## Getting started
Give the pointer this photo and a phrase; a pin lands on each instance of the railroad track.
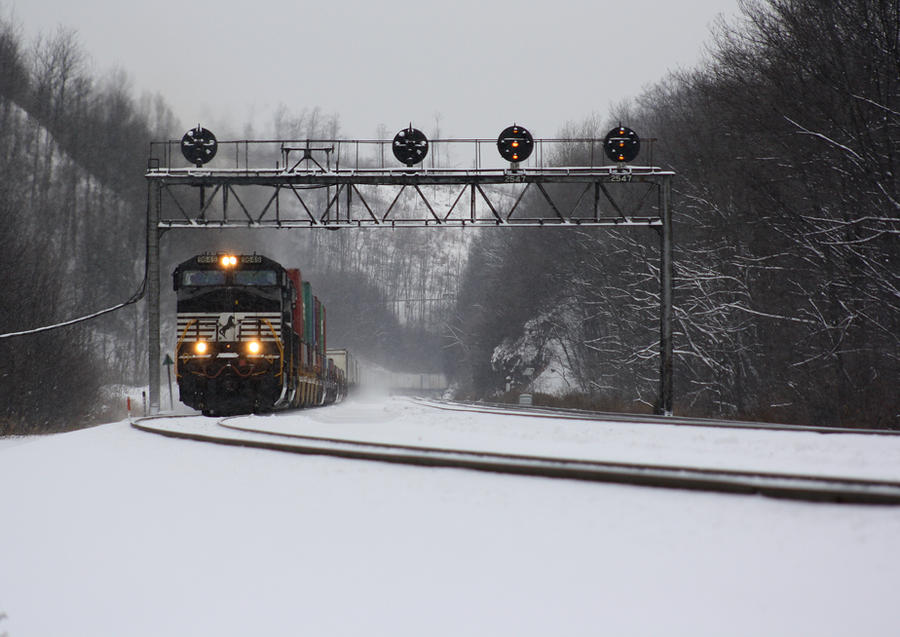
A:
(578, 414)
(231, 431)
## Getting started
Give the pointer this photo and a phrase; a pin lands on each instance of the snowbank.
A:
(112, 531)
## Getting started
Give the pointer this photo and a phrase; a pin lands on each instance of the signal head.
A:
(621, 144)
(515, 143)
(199, 146)
(410, 146)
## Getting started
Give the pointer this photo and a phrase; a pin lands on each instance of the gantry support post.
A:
(666, 385)
(153, 328)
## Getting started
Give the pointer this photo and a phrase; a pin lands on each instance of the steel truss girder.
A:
(361, 210)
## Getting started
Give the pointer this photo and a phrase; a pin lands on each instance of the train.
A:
(251, 338)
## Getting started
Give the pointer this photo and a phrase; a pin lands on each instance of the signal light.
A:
(410, 146)
(621, 144)
(199, 146)
(515, 143)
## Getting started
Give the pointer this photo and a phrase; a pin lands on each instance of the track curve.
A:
(772, 484)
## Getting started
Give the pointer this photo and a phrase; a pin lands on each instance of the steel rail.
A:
(776, 485)
(580, 414)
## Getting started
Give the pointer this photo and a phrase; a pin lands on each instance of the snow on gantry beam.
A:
(415, 223)
(404, 176)
(560, 197)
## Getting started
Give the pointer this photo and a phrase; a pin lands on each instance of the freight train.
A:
(251, 337)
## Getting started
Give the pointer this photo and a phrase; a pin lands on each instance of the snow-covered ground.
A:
(113, 531)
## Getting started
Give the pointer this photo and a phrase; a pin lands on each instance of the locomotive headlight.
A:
(201, 347)
(254, 347)
(228, 260)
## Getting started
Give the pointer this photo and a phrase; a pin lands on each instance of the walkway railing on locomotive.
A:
(270, 334)
(249, 328)
(178, 352)
(204, 327)
(261, 327)
(207, 324)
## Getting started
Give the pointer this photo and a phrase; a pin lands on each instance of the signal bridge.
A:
(201, 183)
(239, 194)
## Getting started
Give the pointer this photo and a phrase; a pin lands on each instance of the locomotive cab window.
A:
(203, 277)
(255, 277)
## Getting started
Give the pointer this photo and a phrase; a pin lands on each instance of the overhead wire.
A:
(134, 298)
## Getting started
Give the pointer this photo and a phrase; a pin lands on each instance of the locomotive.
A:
(251, 337)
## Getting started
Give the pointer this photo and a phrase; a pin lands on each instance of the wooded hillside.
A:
(72, 201)
(787, 216)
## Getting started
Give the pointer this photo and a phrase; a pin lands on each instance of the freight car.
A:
(251, 337)
(347, 364)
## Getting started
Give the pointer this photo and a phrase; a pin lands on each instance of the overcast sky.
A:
(477, 64)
